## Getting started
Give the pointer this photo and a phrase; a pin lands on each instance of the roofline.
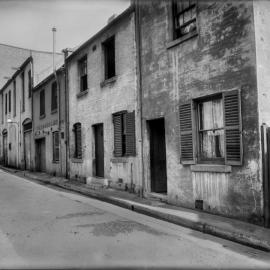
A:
(122, 15)
(30, 50)
(28, 60)
(48, 78)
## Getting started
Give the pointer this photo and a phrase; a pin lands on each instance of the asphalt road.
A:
(45, 227)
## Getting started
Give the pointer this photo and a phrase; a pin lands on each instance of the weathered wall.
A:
(44, 127)
(220, 58)
(100, 102)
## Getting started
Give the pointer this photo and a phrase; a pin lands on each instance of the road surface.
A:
(44, 227)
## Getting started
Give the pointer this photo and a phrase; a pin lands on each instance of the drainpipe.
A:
(139, 84)
(65, 51)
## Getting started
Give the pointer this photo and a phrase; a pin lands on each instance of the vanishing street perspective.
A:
(147, 145)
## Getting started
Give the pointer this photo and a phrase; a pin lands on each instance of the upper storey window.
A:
(109, 58)
(83, 73)
(184, 17)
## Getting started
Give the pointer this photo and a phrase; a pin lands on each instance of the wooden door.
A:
(5, 150)
(40, 155)
(27, 149)
(158, 168)
(99, 150)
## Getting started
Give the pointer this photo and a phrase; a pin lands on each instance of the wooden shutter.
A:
(233, 127)
(186, 134)
(79, 140)
(117, 123)
(130, 134)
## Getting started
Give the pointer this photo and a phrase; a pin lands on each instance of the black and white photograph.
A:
(135, 134)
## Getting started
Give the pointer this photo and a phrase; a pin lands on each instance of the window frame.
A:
(14, 98)
(42, 104)
(176, 14)
(200, 158)
(29, 83)
(107, 58)
(56, 148)
(23, 92)
(54, 97)
(9, 101)
(82, 64)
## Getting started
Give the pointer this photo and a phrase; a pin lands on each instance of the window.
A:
(14, 98)
(42, 103)
(54, 97)
(124, 134)
(29, 84)
(210, 130)
(109, 58)
(23, 93)
(184, 17)
(6, 103)
(56, 146)
(83, 73)
(9, 101)
(78, 140)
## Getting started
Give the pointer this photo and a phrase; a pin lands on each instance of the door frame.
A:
(94, 155)
(151, 191)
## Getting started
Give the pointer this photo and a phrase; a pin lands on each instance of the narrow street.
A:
(45, 227)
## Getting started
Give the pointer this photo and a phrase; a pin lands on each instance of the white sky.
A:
(28, 23)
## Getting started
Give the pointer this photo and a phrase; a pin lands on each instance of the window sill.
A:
(211, 168)
(119, 160)
(82, 93)
(77, 160)
(108, 81)
(42, 116)
(54, 111)
(55, 161)
(181, 39)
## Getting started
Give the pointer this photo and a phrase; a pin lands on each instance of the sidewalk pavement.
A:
(226, 228)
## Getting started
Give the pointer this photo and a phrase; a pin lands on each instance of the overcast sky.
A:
(28, 23)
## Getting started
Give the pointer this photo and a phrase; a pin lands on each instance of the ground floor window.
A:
(124, 134)
(77, 130)
(56, 146)
(211, 129)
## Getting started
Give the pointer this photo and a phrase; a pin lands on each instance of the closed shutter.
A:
(233, 127)
(130, 134)
(186, 134)
(56, 146)
(79, 140)
(117, 123)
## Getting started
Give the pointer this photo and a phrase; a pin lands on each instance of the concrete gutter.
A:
(229, 229)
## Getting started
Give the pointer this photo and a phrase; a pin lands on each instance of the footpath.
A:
(226, 228)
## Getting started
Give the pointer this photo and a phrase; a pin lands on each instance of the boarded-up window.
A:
(42, 103)
(54, 97)
(109, 58)
(83, 73)
(23, 92)
(9, 101)
(77, 140)
(56, 146)
(184, 17)
(14, 98)
(29, 84)
(219, 137)
(124, 134)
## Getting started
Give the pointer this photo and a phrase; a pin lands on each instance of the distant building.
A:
(104, 125)
(49, 124)
(16, 141)
(205, 83)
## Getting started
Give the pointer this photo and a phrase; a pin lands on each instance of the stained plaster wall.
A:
(100, 102)
(220, 58)
(44, 127)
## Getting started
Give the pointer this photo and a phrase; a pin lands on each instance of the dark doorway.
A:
(158, 156)
(5, 149)
(99, 150)
(40, 155)
(27, 149)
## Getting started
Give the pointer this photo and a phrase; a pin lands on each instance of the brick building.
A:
(49, 124)
(104, 126)
(204, 100)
